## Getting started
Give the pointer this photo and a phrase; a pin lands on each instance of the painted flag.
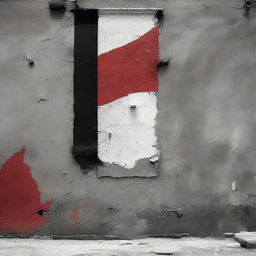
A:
(115, 85)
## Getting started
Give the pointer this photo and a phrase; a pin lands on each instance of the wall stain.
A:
(164, 213)
(21, 210)
(159, 17)
(57, 5)
(247, 8)
(113, 209)
(74, 214)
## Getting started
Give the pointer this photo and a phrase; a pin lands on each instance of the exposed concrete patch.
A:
(143, 169)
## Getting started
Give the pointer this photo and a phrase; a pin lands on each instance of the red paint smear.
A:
(19, 198)
(74, 214)
(129, 69)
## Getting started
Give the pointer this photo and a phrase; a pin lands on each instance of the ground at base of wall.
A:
(149, 246)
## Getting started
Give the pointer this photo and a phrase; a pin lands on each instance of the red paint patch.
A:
(74, 214)
(20, 198)
(129, 69)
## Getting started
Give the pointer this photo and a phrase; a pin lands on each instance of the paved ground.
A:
(149, 246)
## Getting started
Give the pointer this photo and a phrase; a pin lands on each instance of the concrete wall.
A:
(205, 126)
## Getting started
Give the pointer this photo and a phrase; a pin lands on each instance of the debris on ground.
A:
(246, 239)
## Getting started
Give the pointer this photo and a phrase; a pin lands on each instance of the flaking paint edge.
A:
(126, 135)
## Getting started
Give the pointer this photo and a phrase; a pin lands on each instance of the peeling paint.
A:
(132, 136)
(20, 208)
(127, 81)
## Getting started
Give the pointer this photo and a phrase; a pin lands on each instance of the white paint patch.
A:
(234, 186)
(126, 129)
(116, 30)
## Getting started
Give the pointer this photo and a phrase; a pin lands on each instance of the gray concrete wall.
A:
(205, 125)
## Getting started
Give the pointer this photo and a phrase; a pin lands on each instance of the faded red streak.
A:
(74, 214)
(129, 69)
(19, 198)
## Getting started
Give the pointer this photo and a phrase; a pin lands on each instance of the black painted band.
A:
(85, 132)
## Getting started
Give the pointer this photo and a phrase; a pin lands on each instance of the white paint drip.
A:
(127, 134)
(116, 30)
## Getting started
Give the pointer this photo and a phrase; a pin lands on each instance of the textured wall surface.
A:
(205, 125)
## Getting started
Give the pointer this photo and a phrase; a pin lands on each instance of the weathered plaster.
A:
(205, 125)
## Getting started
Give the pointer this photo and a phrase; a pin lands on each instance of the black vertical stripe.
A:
(85, 132)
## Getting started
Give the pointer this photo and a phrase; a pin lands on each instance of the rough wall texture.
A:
(205, 124)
